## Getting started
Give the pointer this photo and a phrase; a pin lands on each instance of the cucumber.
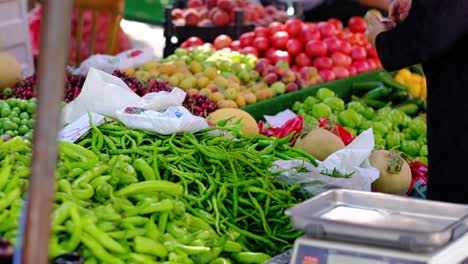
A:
(373, 103)
(417, 101)
(378, 93)
(366, 86)
(388, 81)
(408, 108)
(398, 96)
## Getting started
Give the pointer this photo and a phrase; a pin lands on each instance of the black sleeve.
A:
(432, 27)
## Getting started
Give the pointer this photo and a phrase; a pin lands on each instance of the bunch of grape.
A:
(199, 105)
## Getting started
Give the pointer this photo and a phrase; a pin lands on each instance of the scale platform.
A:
(350, 227)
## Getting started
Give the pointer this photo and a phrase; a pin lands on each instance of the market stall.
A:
(283, 143)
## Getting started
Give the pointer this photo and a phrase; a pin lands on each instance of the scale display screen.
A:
(314, 255)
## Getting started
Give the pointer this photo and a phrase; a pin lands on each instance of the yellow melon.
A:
(10, 70)
(249, 125)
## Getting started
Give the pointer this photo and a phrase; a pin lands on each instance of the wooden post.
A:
(54, 49)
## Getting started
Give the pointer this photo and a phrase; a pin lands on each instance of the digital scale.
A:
(350, 227)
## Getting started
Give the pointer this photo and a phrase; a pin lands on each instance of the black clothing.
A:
(436, 35)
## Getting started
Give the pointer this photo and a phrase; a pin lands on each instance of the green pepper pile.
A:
(17, 117)
(392, 127)
(137, 197)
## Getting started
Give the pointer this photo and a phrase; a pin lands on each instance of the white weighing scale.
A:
(349, 227)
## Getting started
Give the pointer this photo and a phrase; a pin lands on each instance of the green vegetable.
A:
(392, 140)
(377, 93)
(410, 147)
(388, 81)
(366, 86)
(324, 93)
(321, 110)
(408, 108)
(335, 103)
(350, 118)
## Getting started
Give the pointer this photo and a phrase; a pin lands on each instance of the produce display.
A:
(17, 117)
(133, 196)
(222, 13)
(393, 128)
(417, 83)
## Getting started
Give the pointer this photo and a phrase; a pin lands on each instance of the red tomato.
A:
(377, 63)
(341, 59)
(261, 32)
(327, 29)
(361, 66)
(293, 27)
(235, 45)
(358, 53)
(275, 27)
(222, 41)
(280, 39)
(303, 60)
(247, 39)
(327, 75)
(352, 70)
(316, 48)
(371, 51)
(294, 46)
(250, 50)
(280, 55)
(333, 44)
(340, 72)
(309, 32)
(269, 54)
(357, 24)
(336, 22)
(323, 62)
(372, 64)
(194, 41)
(261, 43)
(346, 47)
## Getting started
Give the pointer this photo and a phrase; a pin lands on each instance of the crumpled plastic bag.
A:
(133, 58)
(353, 159)
(163, 100)
(174, 120)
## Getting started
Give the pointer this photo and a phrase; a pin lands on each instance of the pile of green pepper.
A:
(138, 197)
(16, 117)
(392, 127)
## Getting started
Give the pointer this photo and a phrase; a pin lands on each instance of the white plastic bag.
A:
(162, 100)
(353, 159)
(128, 59)
(175, 119)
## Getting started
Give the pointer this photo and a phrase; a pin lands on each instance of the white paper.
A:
(280, 119)
(78, 128)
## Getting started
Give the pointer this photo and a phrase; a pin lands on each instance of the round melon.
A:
(395, 173)
(249, 125)
(320, 143)
(10, 70)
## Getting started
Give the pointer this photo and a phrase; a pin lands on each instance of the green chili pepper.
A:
(145, 169)
(98, 250)
(251, 257)
(152, 186)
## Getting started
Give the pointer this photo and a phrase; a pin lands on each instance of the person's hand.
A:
(376, 25)
(399, 10)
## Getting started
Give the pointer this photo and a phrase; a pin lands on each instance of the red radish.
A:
(226, 5)
(261, 43)
(293, 27)
(220, 18)
(294, 46)
(280, 39)
(341, 59)
(346, 47)
(235, 45)
(247, 39)
(327, 75)
(309, 33)
(336, 22)
(303, 60)
(357, 24)
(261, 32)
(316, 48)
(361, 66)
(340, 72)
(275, 27)
(358, 53)
(191, 17)
(333, 44)
(222, 41)
(327, 29)
(195, 3)
(323, 63)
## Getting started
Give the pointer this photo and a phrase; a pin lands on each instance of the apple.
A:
(336, 22)
(327, 29)
(191, 17)
(357, 25)
(220, 18)
(195, 3)
(316, 48)
(269, 54)
(226, 5)
(235, 45)
(275, 27)
(270, 78)
(222, 41)
(358, 53)
(293, 27)
(294, 46)
(278, 87)
(247, 39)
(340, 72)
(261, 32)
(341, 59)
(308, 33)
(279, 55)
(261, 43)
(292, 87)
(333, 44)
(327, 75)
(271, 10)
(205, 23)
(280, 39)
(346, 47)
(302, 60)
(194, 41)
(211, 3)
(250, 50)
(323, 62)
(177, 14)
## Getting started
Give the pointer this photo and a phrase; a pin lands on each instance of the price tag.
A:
(81, 126)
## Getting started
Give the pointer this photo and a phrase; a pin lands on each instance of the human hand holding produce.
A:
(399, 10)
